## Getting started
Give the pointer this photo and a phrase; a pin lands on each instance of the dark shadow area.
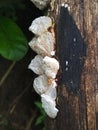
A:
(17, 108)
(71, 51)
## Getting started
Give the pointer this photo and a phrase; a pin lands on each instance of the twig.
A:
(30, 121)
(14, 103)
(7, 73)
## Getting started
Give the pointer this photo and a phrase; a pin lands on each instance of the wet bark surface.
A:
(78, 111)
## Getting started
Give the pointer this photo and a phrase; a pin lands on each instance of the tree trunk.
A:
(77, 103)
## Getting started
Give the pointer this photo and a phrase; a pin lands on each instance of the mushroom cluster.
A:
(44, 64)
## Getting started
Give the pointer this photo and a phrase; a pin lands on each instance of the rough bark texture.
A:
(79, 111)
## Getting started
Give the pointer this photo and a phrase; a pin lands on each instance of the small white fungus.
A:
(36, 65)
(74, 39)
(66, 68)
(41, 4)
(40, 25)
(51, 91)
(66, 6)
(44, 44)
(40, 84)
(52, 53)
(66, 63)
(50, 66)
(49, 106)
(43, 64)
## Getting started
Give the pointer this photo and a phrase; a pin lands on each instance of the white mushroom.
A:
(41, 4)
(43, 65)
(44, 44)
(49, 106)
(40, 84)
(50, 66)
(51, 91)
(36, 65)
(40, 25)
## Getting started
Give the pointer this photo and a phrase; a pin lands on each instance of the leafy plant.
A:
(42, 117)
(13, 43)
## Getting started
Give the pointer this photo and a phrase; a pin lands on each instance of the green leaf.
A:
(39, 120)
(39, 106)
(13, 43)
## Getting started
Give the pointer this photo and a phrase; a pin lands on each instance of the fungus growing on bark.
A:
(43, 64)
(43, 45)
(49, 105)
(50, 66)
(36, 65)
(40, 25)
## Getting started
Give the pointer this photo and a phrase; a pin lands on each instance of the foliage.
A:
(13, 44)
(42, 117)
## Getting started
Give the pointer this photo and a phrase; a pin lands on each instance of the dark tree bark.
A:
(78, 109)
